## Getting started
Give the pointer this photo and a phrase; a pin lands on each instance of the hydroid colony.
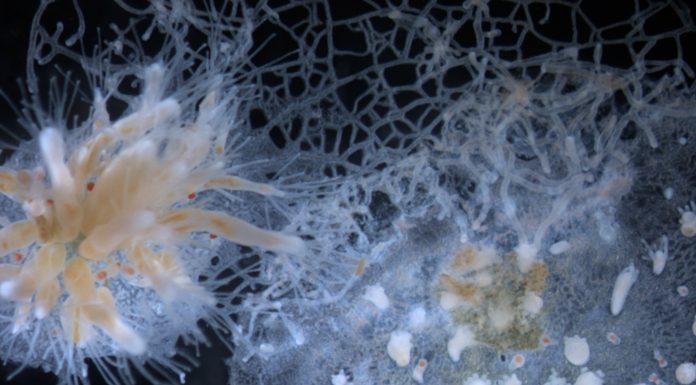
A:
(456, 193)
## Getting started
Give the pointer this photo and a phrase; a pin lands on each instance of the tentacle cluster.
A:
(127, 190)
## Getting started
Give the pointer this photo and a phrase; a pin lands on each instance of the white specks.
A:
(613, 338)
(41, 310)
(340, 379)
(532, 303)
(693, 326)
(376, 295)
(576, 350)
(449, 301)
(658, 254)
(685, 373)
(683, 291)
(417, 318)
(555, 379)
(9, 288)
(501, 316)
(463, 338)
(668, 193)
(399, 347)
(182, 377)
(606, 227)
(559, 247)
(590, 378)
(624, 281)
(526, 256)
(688, 219)
(483, 279)
(419, 370)
(477, 380)
(682, 140)
(510, 380)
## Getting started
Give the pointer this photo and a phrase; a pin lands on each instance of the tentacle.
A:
(36, 273)
(67, 209)
(8, 182)
(103, 314)
(183, 221)
(239, 184)
(17, 235)
(163, 272)
(105, 239)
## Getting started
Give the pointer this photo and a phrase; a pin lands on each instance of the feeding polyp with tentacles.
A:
(117, 200)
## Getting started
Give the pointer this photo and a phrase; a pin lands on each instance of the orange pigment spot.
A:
(49, 201)
(18, 257)
(128, 270)
(213, 236)
(192, 196)
(546, 341)
(518, 360)
(613, 338)
(90, 186)
(101, 275)
(360, 269)
(422, 363)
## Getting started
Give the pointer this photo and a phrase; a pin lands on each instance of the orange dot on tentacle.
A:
(128, 270)
(90, 186)
(101, 275)
(192, 196)
(49, 201)
(213, 236)
(18, 257)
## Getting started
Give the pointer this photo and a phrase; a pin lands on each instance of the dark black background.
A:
(15, 23)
